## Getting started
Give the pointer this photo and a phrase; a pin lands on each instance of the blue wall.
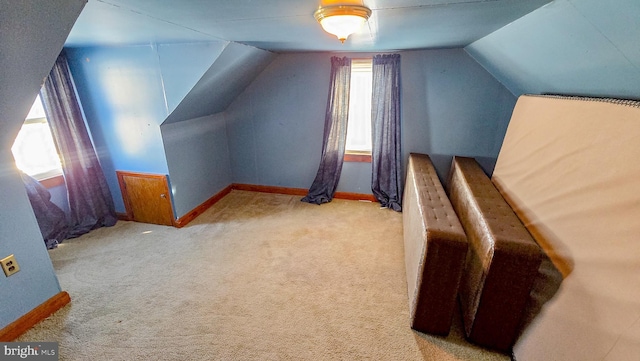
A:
(272, 132)
(198, 159)
(127, 92)
(585, 47)
(275, 126)
(31, 36)
(121, 94)
(451, 106)
(59, 197)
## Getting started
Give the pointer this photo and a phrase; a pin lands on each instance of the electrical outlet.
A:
(9, 265)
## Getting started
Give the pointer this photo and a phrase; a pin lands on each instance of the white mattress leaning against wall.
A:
(570, 168)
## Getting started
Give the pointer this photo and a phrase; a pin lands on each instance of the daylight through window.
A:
(359, 125)
(34, 150)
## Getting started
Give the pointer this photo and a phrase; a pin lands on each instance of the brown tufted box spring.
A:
(435, 247)
(502, 261)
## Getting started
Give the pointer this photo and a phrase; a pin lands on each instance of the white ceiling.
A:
(289, 25)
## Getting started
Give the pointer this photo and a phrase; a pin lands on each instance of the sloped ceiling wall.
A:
(31, 36)
(579, 47)
(228, 76)
(182, 65)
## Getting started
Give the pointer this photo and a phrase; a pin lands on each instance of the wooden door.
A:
(146, 197)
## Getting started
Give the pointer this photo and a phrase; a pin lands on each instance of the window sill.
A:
(52, 182)
(357, 157)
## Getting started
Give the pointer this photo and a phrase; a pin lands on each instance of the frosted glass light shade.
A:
(342, 20)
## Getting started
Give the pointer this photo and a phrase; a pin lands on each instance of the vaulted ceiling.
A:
(585, 47)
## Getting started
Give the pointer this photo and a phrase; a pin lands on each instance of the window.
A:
(359, 127)
(34, 150)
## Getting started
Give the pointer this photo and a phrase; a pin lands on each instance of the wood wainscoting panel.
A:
(146, 197)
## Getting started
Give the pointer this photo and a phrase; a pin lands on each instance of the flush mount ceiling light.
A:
(342, 20)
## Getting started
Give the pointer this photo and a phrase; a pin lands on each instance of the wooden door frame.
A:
(125, 196)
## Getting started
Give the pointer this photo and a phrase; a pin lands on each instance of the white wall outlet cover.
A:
(9, 265)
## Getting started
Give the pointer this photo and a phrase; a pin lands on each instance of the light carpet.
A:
(256, 277)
